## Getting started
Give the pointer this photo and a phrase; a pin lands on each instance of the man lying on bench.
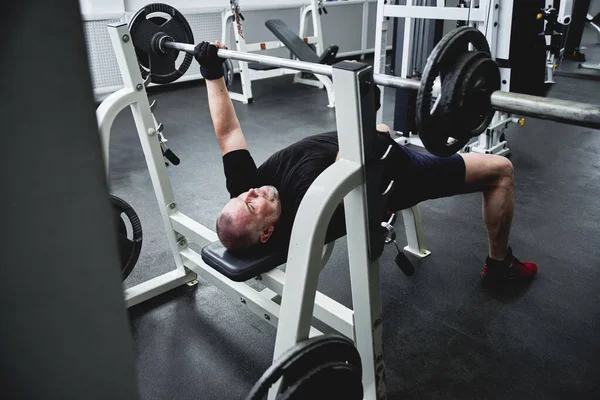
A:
(265, 199)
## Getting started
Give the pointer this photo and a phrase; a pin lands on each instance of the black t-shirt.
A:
(291, 170)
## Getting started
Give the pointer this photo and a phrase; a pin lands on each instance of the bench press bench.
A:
(240, 268)
(303, 52)
(298, 47)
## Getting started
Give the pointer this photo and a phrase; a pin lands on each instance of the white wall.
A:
(183, 4)
(134, 5)
(92, 7)
(99, 7)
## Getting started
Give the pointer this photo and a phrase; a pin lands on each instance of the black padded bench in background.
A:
(298, 47)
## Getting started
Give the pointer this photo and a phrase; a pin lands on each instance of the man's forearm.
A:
(221, 109)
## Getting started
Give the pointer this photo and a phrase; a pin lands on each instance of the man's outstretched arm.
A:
(227, 127)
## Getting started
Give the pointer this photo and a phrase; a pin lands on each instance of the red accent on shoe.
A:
(517, 270)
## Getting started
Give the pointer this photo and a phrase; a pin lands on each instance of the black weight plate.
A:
(303, 358)
(404, 264)
(439, 63)
(228, 72)
(146, 27)
(333, 380)
(449, 108)
(481, 79)
(129, 245)
(310, 358)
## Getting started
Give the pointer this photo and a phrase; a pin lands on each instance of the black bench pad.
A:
(292, 41)
(241, 268)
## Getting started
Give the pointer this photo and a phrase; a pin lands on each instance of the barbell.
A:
(469, 79)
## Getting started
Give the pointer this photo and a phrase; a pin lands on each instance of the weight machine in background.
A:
(517, 42)
(583, 13)
(233, 21)
(556, 22)
(594, 22)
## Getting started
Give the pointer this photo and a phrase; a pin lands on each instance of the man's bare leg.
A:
(494, 176)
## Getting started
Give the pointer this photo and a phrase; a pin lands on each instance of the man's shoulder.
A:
(240, 171)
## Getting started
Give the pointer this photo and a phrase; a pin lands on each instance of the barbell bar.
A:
(448, 114)
(570, 112)
(303, 66)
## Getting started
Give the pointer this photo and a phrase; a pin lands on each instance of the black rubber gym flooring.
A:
(445, 336)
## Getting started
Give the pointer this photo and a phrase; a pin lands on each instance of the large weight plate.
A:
(480, 80)
(438, 135)
(129, 234)
(451, 104)
(146, 27)
(331, 380)
(309, 362)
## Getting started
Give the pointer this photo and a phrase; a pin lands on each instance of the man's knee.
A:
(503, 167)
(505, 170)
(381, 127)
(484, 170)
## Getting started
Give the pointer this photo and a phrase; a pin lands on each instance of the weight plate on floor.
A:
(332, 380)
(296, 366)
(147, 27)
(129, 234)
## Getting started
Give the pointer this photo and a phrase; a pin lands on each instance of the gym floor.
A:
(445, 335)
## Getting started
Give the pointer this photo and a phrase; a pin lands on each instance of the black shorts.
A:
(421, 176)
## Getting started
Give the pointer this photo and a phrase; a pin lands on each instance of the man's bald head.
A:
(249, 219)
